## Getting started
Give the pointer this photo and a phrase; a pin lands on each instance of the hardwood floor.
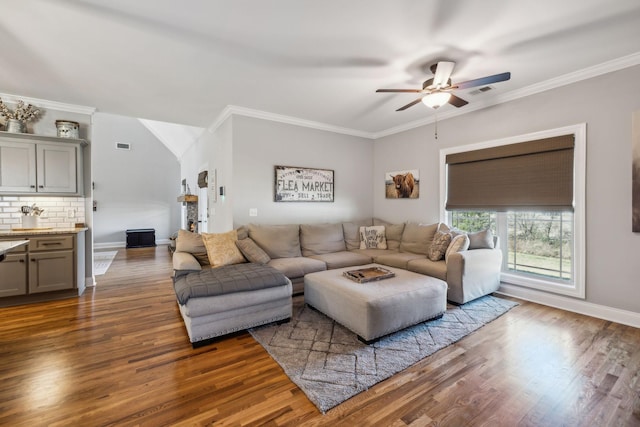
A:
(119, 355)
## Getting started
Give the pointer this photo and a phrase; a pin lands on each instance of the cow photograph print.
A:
(402, 184)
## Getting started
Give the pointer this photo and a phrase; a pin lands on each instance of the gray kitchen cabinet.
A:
(35, 164)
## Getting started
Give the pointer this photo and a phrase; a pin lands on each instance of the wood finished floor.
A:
(119, 355)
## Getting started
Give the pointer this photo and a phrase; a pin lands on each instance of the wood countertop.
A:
(40, 231)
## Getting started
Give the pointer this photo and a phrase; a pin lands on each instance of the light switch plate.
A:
(253, 212)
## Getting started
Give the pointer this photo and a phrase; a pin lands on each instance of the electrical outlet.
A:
(253, 212)
(71, 213)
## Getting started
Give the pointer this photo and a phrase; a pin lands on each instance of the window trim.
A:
(576, 288)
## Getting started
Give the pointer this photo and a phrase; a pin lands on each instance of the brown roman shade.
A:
(533, 176)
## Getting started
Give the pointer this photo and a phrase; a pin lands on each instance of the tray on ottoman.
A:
(364, 275)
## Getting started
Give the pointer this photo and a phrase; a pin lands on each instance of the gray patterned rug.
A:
(330, 365)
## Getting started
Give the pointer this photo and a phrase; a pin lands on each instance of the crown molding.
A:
(566, 79)
(49, 105)
(231, 110)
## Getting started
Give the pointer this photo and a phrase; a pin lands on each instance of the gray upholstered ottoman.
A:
(375, 309)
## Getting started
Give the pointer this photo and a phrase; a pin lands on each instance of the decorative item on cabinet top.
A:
(68, 129)
(18, 118)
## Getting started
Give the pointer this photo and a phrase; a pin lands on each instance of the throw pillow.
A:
(481, 240)
(439, 246)
(222, 249)
(193, 244)
(373, 237)
(458, 243)
(252, 252)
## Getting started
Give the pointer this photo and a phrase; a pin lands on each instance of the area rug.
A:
(102, 262)
(330, 365)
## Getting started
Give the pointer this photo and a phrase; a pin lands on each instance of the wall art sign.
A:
(635, 184)
(402, 184)
(295, 184)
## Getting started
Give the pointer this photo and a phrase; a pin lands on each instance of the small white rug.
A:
(102, 262)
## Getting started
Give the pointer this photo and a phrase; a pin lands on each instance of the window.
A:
(542, 248)
(535, 244)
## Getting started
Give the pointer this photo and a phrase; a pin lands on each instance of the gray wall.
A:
(259, 145)
(606, 104)
(133, 189)
(244, 151)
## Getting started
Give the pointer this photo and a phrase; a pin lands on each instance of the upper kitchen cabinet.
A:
(34, 164)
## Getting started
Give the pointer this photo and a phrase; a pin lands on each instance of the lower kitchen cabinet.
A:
(48, 266)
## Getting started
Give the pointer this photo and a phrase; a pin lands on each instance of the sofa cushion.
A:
(343, 259)
(222, 249)
(252, 252)
(393, 233)
(193, 244)
(481, 240)
(297, 267)
(397, 259)
(416, 238)
(373, 237)
(374, 253)
(437, 269)
(278, 241)
(351, 231)
(439, 245)
(458, 244)
(318, 239)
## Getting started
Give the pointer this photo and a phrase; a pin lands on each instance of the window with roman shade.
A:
(534, 175)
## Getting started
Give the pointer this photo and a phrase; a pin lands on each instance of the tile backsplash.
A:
(58, 211)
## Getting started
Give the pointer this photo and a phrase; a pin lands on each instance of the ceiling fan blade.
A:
(483, 81)
(457, 101)
(443, 72)
(411, 104)
(400, 90)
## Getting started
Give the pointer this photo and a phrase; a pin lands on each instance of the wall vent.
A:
(123, 146)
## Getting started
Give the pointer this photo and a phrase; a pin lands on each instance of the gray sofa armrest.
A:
(473, 273)
(184, 263)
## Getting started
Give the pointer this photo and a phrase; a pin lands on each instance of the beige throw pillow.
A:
(222, 249)
(439, 246)
(458, 244)
(373, 237)
(252, 252)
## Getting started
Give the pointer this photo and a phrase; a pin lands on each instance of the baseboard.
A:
(624, 317)
(120, 245)
(109, 245)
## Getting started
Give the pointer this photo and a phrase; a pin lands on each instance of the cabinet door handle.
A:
(41, 186)
(51, 243)
(32, 186)
(21, 260)
(33, 260)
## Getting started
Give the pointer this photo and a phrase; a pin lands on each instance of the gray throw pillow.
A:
(481, 240)
(252, 252)
(193, 244)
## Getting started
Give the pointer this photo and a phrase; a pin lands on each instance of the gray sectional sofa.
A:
(217, 301)
(299, 249)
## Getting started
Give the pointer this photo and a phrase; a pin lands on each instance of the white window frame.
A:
(575, 288)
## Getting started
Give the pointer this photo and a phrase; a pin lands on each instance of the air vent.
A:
(123, 146)
(481, 90)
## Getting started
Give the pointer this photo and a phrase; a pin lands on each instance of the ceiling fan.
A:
(437, 90)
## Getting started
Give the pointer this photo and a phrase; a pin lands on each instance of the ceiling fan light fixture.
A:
(436, 99)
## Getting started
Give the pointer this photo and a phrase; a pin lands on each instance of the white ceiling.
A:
(317, 60)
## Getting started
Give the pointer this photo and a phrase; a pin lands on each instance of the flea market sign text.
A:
(303, 184)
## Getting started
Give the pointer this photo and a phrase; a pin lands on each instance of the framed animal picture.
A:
(402, 184)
